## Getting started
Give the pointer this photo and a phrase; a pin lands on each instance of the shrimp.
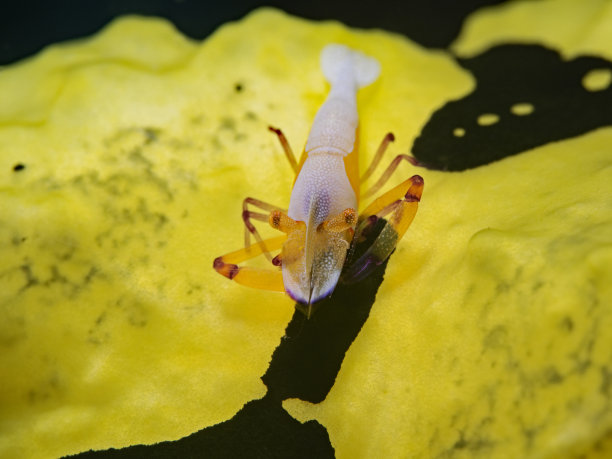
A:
(322, 221)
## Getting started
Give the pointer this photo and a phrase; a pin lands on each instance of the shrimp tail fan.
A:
(339, 62)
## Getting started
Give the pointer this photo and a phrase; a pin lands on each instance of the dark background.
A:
(27, 26)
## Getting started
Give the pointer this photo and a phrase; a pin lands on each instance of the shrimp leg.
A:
(378, 156)
(249, 215)
(286, 148)
(249, 227)
(388, 172)
(265, 279)
(401, 203)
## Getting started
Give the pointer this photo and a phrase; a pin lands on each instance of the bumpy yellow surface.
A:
(571, 28)
(490, 333)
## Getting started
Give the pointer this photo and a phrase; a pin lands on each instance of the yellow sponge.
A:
(124, 159)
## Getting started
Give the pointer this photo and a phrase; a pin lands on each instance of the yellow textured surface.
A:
(572, 28)
(489, 332)
(500, 339)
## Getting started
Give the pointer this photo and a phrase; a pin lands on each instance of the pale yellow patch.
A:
(522, 109)
(458, 132)
(487, 119)
(568, 26)
(597, 80)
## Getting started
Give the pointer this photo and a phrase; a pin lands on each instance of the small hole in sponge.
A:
(522, 109)
(487, 119)
(597, 80)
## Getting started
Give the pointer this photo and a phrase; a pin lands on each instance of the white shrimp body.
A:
(312, 265)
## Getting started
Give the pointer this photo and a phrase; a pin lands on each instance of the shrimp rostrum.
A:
(322, 221)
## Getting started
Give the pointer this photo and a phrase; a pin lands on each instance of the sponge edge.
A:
(337, 59)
